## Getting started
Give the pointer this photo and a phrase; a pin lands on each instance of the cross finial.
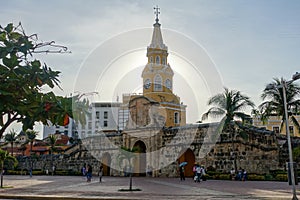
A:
(156, 12)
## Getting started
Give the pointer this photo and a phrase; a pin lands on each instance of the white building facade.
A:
(104, 116)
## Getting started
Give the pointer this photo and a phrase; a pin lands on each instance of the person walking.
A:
(198, 173)
(89, 173)
(181, 173)
(30, 172)
(100, 173)
(194, 170)
(232, 174)
(244, 175)
(240, 174)
(83, 170)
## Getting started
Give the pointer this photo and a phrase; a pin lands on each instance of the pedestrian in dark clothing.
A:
(240, 174)
(89, 173)
(181, 172)
(83, 170)
(100, 173)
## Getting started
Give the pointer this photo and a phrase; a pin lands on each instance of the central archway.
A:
(140, 160)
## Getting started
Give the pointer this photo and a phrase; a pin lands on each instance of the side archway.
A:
(106, 161)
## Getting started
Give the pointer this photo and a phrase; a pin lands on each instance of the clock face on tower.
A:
(147, 84)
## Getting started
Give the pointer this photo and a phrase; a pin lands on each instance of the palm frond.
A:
(214, 112)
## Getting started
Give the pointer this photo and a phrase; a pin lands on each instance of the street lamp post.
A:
(284, 85)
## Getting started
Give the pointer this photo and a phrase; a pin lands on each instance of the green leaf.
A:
(15, 35)
(9, 27)
(1, 121)
(2, 36)
(11, 62)
(36, 63)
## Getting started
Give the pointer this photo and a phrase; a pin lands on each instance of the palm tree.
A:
(4, 155)
(273, 102)
(11, 138)
(31, 135)
(80, 108)
(52, 139)
(230, 105)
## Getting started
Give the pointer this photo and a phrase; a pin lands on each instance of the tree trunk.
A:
(52, 168)
(12, 148)
(8, 122)
(31, 161)
(2, 179)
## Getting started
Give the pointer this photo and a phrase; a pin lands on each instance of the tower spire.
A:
(156, 12)
(157, 40)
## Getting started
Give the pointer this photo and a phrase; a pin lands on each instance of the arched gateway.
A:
(106, 162)
(140, 160)
(189, 157)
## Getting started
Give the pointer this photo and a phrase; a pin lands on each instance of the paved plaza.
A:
(75, 187)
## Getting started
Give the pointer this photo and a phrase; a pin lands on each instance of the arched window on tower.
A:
(176, 118)
(163, 60)
(168, 84)
(157, 83)
(157, 60)
(151, 59)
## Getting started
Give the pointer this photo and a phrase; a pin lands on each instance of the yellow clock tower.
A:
(158, 79)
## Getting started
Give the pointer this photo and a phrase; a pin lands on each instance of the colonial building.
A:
(274, 124)
(156, 127)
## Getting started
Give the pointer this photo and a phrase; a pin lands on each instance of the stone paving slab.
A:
(76, 187)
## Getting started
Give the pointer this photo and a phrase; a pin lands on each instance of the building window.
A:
(291, 128)
(90, 125)
(176, 118)
(66, 132)
(97, 115)
(97, 123)
(163, 60)
(75, 134)
(157, 83)
(105, 123)
(168, 84)
(151, 59)
(157, 60)
(276, 129)
(147, 84)
(105, 114)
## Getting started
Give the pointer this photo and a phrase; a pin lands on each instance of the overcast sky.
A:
(245, 43)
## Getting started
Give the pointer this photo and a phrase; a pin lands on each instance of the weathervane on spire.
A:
(156, 12)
